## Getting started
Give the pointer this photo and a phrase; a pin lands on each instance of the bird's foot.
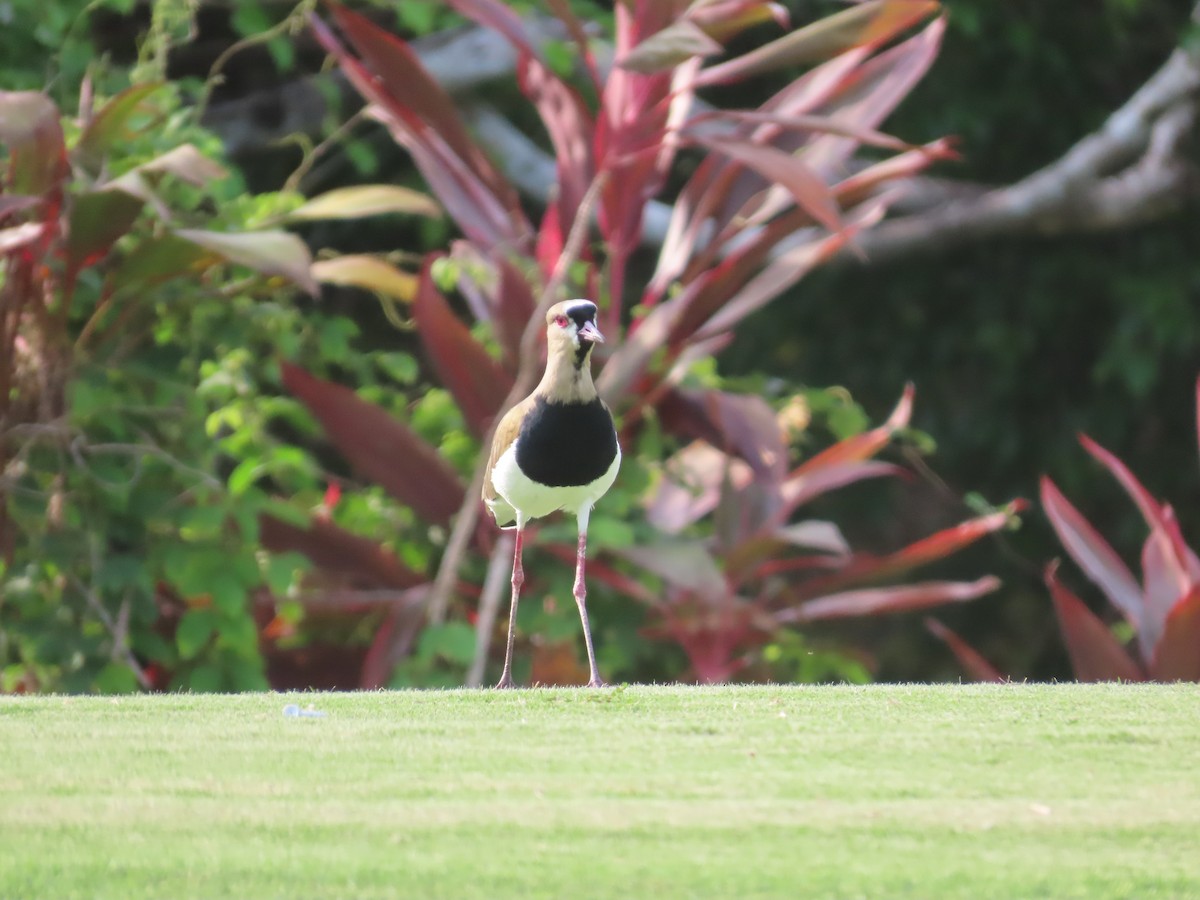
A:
(597, 682)
(505, 683)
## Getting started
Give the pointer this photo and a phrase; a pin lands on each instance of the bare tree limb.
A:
(1133, 170)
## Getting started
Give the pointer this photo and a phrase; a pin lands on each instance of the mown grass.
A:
(943, 791)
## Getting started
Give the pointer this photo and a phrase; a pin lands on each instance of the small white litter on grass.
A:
(293, 711)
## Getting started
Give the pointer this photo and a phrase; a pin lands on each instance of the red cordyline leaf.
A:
(20, 236)
(874, 92)
(757, 555)
(562, 11)
(379, 446)
(739, 424)
(692, 487)
(709, 203)
(865, 445)
(806, 124)
(718, 298)
(422, 118)
(863, 184)
(940, 545)
(802, 488)
(1150, 508)
(1157, 515)
(513, 307)
(724, 19)
(562, 109)
(865, 98)
(400, 72)
(711, 636)
(10, 204)
(1166, 582)
(707, 294)
(873, 601)
(30, 127)
(333, 496)
(1177, 656)
(968, 657)
(498, 17)
(570, 128)
(337, 550)
(683, 97)
(635, 110)
(550, 239)
(724, 285)
(785, 270)
(675, 44)
(478, 383)
(1093, 554)
(683, 565)
(719, 286)
(1095, 653)
(871, 23)
(808, 190)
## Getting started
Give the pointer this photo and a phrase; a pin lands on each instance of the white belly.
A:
(535, 500)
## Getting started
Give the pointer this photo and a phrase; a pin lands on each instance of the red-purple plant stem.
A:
(464, 523)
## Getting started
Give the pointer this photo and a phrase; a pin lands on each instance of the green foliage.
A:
(48, 44)
(131, 390)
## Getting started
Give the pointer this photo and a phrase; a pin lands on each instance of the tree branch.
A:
(1131, 171)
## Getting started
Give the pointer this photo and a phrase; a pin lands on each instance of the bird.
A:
(555, 450)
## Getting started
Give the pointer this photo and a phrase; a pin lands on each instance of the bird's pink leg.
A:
(581, 602)
(518, 579)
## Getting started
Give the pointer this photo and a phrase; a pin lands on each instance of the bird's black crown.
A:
(582, 311)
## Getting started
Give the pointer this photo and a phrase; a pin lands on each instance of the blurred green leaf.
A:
(268, 252)
(111, 123)
(195, 629)
(205, 679)
(116, 679)
(368, 272)
(365, 200)
(249, 18)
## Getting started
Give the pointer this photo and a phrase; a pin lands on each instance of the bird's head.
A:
(571, 328)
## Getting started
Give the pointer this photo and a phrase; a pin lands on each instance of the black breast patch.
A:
(566, 444)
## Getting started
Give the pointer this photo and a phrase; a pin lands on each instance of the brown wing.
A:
(506, 433)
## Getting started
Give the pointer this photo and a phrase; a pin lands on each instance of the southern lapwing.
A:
(556, 449)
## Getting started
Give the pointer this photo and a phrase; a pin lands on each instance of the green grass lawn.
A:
(943, 791)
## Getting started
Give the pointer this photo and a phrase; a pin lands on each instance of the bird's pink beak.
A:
(589, 332)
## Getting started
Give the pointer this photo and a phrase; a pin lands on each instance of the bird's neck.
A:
(566, 382)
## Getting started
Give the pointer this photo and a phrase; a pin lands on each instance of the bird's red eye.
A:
(561, 321)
